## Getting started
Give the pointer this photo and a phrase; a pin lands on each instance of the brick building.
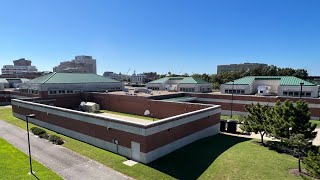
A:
(179, 123)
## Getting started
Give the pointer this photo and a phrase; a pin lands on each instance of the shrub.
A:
(37, 131)
(44, 136)
(56, 139)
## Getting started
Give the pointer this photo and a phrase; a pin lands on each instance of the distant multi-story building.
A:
(237, 67)
(81, 64)
(115, 76)
(137, 78)
(21, 66)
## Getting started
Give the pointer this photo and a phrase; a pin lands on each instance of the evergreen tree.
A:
(297, 144)
(256, 121)
(280, 118)
(288, 119)
(312, 162)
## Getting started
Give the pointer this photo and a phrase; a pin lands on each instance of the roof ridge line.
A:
(49, 77)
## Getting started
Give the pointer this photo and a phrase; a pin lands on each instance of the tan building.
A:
(184, 84)
(81, 64)
(271, 85)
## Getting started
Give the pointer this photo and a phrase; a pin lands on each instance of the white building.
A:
(20, 66)
(184, 84)
(277, 85)
(70, 83)
(138, 78)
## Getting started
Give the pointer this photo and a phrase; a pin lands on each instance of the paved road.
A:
(64, 162)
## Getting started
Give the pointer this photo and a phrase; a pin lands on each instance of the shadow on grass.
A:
(192, 160)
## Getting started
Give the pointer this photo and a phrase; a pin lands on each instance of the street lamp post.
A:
(301, 84)
(27, 120)
(232, 98)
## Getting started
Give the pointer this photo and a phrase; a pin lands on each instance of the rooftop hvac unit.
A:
(264, 90)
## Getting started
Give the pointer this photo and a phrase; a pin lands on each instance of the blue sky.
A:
(162, 35)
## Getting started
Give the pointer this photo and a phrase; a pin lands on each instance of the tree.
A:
(298, 145)
(280, 118)
(312, 162)
(257, 120)
(288, 119)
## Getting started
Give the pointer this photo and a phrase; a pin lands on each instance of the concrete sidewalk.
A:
(63, 161)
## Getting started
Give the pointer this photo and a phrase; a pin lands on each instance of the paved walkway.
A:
(63, 161)
(316, 140)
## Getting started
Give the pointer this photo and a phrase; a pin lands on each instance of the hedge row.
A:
(56, 139)
(43, 134)
(37, 131)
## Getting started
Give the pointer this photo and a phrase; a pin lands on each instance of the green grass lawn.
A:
(317, 122)
(234, 117)
(14, 164)
(216, 157)
(129, 115)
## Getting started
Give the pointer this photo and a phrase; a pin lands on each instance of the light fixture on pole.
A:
(301, 84)
(27, 121)
(232, 98)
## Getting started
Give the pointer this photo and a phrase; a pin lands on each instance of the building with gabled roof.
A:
(69, 83)
(184, 84)
(274, 85)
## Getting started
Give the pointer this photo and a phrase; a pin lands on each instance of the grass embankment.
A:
(129, 115)
(216, 157)
(14, 164)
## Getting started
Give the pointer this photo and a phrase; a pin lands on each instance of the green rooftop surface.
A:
(284, 80)
(68, 78)
(181, 80)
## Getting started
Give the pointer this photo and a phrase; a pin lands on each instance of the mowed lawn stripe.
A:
(14, 164)
(215, 157)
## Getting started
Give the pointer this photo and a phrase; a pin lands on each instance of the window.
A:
(296, 93)
(242, 91)
(285, 93)
(261, 92)
(238, 91)
(226, 91)
(290, 93)
(308, 94)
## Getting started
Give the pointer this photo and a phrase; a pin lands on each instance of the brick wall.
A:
(138, 105)
(148, 143)
(315, 111)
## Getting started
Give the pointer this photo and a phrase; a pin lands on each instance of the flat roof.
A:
(180, 99)
(181, 80)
